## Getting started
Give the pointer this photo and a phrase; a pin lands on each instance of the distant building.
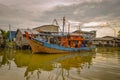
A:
(47, 28)
(107, 41)
(11, 35)
(1, 38)
(21, 38)
(86, 34)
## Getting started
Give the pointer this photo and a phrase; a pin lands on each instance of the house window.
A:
(108, 42)
(20, 38)
(111, 41)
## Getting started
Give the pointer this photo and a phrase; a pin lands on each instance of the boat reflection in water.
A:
(52, 66)
(104, 64)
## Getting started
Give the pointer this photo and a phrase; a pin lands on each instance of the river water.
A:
(101, 64)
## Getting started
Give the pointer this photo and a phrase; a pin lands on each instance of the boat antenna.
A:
(79, 29)
(56, 23)
(68, 27)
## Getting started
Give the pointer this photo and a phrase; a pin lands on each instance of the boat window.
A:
(51, 40)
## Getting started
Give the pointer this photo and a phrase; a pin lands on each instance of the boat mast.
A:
(63, 25)
(79, 29)
(68, 28)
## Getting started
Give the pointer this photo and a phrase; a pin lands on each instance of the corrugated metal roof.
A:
(103, 39)
(80, 31)
(45, 26)
(49, 31)
(30, 31)
(118, 41)
(111, 37)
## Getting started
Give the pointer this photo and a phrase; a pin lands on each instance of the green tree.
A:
(118, 33)
(5, 36)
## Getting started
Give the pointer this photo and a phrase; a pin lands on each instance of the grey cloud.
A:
(12, 15)
(107, 9)
(20, 12)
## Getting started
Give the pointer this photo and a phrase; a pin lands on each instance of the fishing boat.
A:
(58, 43)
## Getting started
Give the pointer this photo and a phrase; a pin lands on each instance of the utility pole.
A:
(112, 27)
(79, 29)
(114, 31)
(63, 25)
(10, 37)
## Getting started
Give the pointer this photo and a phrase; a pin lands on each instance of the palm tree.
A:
(118, 33)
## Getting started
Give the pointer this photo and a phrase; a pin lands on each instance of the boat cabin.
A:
(86, 34)
(73, 41)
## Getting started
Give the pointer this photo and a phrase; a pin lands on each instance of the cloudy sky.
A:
(33, 13)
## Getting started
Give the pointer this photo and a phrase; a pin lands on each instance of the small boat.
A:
(59, 43)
